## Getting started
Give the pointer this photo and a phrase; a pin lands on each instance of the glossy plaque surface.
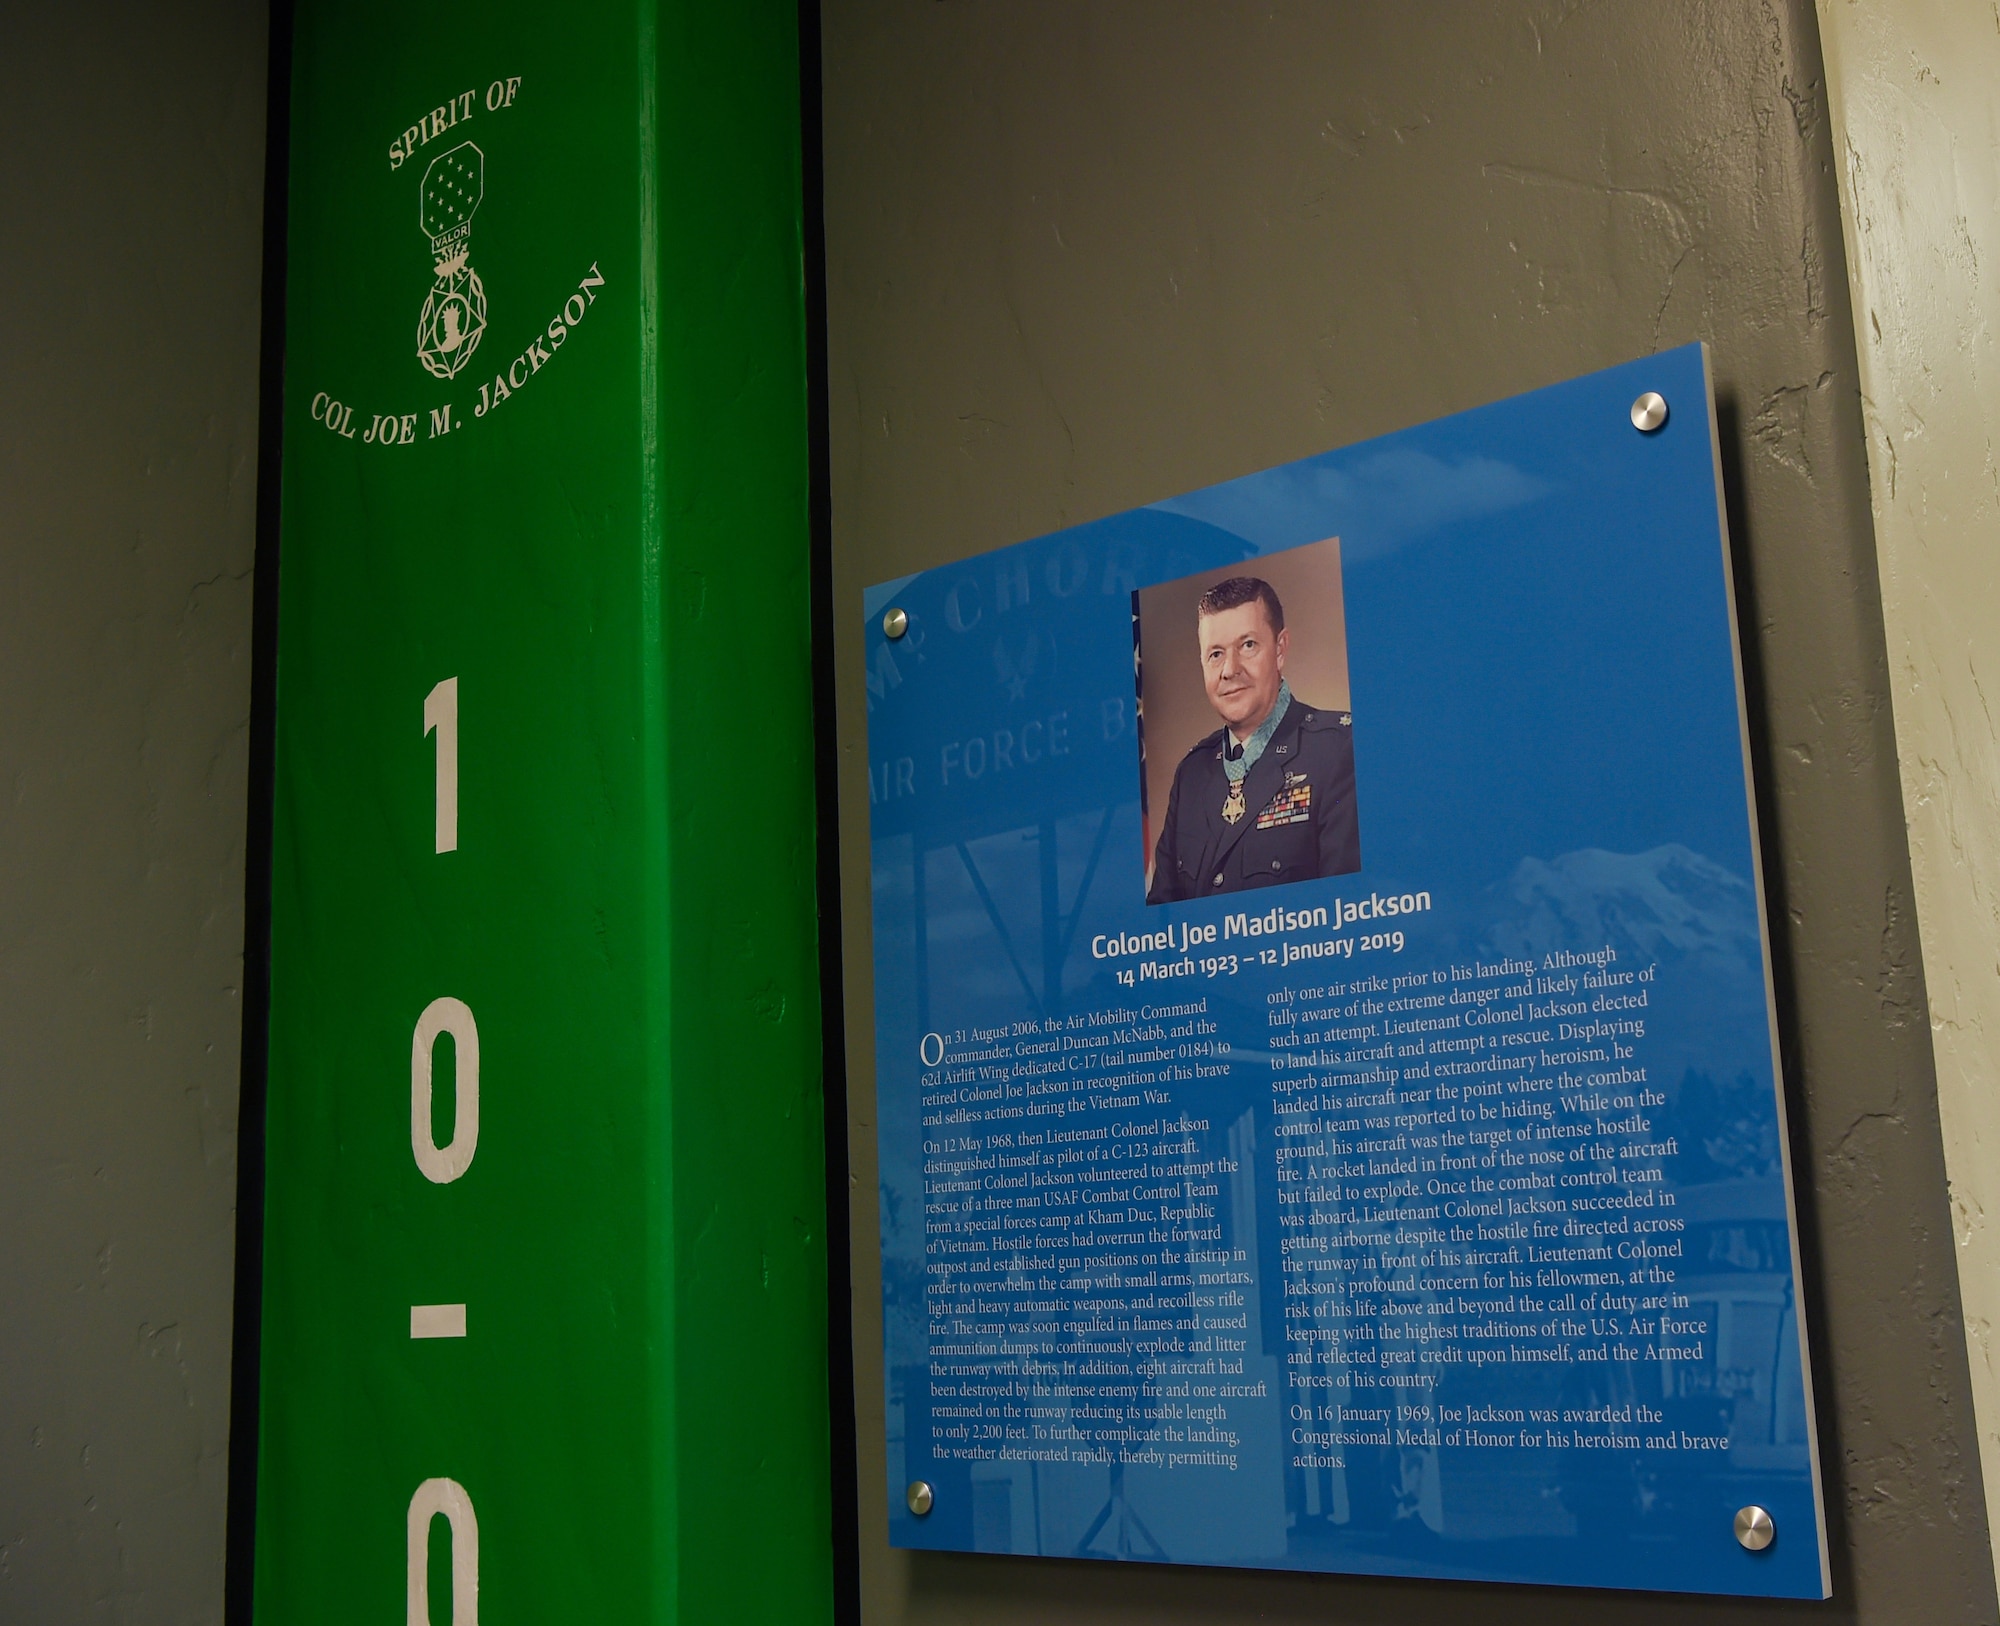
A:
(1364, 1153)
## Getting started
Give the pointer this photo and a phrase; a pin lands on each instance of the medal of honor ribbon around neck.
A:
(1253, 748)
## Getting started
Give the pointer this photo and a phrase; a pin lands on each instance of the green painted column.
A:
(544, 1269)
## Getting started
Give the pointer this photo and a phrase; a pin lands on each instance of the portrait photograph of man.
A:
(1267, 797)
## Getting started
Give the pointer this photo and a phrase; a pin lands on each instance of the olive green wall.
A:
(1086, 255)
(130, 254)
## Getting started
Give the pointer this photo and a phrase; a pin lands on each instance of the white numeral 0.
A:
(445, 1164)
(441, 714)
(446, 1496)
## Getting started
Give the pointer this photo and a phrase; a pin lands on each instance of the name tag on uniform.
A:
(1292, 805)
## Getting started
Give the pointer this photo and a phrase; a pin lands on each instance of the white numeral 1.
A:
(441, 714)
(446, 1496)
(445, 1164)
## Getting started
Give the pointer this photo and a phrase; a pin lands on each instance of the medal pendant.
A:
(1232, 804)
(454, 316)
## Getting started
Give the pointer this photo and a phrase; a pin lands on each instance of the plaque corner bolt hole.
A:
(920, 1497)
(1649, 412)
(894, 625)
(1754, 1529)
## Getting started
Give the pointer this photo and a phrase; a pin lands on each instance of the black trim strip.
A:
(239, 1563)
(846, 1532)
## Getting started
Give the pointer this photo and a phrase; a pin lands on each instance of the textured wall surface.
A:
(130, 247)
(1083, 256)
(1918, 138)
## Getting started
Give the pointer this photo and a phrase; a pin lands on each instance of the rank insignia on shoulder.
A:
(1347, 719)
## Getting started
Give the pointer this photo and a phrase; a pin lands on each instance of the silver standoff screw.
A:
(1754, 1529)
(919, 1494)
(895, 624)
(1649, 412)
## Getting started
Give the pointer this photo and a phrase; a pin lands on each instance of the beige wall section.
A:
(1915, 92)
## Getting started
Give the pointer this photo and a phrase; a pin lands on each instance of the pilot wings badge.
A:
(454, 315)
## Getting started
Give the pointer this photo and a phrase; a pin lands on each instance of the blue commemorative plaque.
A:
(1328, 1090)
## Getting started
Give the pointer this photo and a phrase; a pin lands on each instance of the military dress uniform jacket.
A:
(1298, 823)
